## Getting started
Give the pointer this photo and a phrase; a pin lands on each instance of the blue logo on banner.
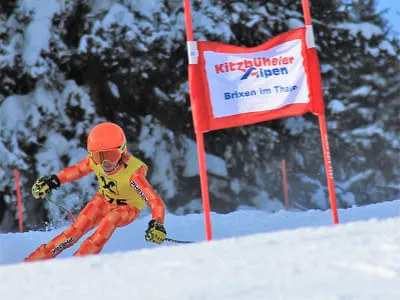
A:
(264, 73)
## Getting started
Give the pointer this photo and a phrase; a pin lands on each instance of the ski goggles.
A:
(112, 156)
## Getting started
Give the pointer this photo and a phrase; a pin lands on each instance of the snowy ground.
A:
(254, 255)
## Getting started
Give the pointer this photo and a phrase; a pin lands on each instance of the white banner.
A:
(259, 81)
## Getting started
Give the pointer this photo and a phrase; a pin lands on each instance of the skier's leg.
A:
(87, 219)
(118, 217)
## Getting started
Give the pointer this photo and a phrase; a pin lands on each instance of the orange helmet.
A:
(106, 136)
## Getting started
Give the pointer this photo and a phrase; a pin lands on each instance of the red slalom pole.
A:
(19, 201)
(317, 93)
(284, 184)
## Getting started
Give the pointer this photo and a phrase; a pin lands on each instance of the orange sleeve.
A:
(75, 172)
(139, 182)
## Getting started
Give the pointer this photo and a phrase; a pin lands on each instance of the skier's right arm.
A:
(76, 171)
(45, 184)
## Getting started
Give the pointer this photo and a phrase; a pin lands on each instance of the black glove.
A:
(44, 185)
(155, 233)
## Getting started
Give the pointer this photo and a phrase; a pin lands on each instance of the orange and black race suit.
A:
(122, 195)
(126, 186)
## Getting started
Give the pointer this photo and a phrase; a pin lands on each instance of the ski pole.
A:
(62, 208)
(178, 241)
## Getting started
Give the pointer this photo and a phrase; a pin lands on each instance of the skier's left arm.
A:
(155, 232)
(139, 182)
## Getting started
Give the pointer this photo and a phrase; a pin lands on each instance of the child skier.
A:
(123, 192)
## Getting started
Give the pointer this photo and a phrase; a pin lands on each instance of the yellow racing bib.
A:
(116, 188)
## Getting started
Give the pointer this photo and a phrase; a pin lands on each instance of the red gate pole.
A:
(317, 92)
(204, 185)
(328, 167)
(19, 201)
(193, 88)
(284, 184)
